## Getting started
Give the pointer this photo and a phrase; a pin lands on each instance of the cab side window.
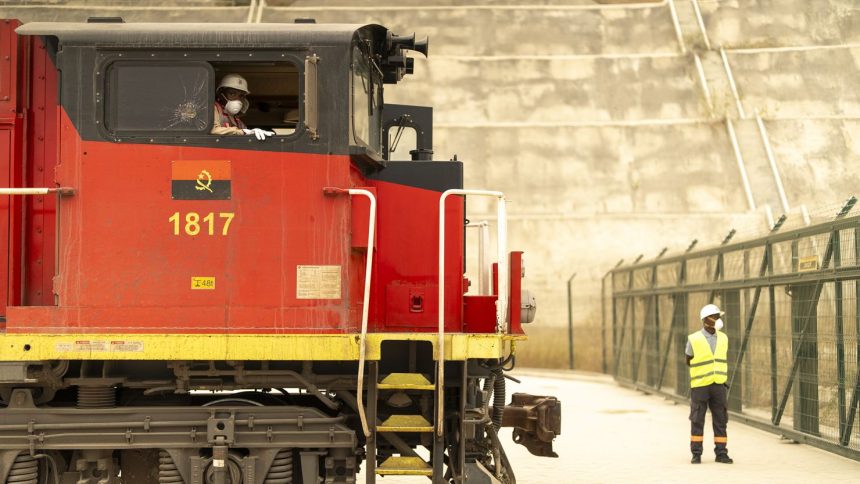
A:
(148, 96)
(366, 95)
(273, 101)
(177, 97)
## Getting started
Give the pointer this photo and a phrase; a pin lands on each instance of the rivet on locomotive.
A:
(279, 302)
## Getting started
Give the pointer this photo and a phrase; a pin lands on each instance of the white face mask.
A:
(233, 107)
(718, 324)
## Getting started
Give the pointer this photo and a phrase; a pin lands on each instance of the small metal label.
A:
(203, 283)
(126, 346)
(123, 346)
(85, 345)
(806, 264)
(318, 282)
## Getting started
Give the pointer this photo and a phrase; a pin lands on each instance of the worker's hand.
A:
(261, 134)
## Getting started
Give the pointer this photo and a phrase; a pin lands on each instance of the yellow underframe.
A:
(290, 347)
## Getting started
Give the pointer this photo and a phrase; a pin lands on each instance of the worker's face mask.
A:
(718, 324)
(233, 107)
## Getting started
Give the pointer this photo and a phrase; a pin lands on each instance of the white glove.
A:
(259, 133)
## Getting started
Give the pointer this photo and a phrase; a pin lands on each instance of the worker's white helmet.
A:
(234, 81)
(709, 310)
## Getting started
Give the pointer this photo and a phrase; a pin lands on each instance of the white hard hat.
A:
(234, 81)
(709, 310)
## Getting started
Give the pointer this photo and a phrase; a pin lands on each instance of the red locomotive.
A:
(198, 207)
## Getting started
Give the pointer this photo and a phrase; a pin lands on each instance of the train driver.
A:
(230, 102)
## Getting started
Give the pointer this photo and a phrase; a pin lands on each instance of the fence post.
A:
(570, 322)
(845, 438)
(840, 334)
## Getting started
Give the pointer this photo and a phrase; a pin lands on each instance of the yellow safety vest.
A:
(707, 368)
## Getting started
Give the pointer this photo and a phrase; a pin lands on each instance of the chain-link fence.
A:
(792, 320)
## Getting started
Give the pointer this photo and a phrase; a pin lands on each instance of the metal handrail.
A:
(362, 340)
(485, 269)
(251, 8)
(501, 302)
(677, 25)
(745, 180)
(732, 85)
(773, 238)
(37, 191)
(701, 22)
(260, 8)
(703, 81)
(783, 200)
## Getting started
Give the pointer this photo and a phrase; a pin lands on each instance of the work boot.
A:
(697, 459)
(724, 459)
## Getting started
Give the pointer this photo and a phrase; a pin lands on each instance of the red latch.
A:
(416, 301)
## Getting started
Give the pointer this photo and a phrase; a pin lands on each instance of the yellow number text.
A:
(192, 225)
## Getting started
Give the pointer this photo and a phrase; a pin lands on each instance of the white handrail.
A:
(365, 304)
(741, 166)
(36, 191)
(260, 8)
(362, 341)
(501, 302)
(704, 82)
(701, 22)
(485, 270)
(768, 215)
(772, 161)
(732, 85)
(251, 8)
(679, 34)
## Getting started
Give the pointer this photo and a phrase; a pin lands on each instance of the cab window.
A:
(147, 96)
(273, 103)
(366, 105)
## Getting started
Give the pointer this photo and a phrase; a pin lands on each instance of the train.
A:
(284, 303)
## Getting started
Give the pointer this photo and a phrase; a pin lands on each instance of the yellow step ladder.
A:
(410, 423)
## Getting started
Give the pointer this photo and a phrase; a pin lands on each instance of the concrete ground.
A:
(612, 434)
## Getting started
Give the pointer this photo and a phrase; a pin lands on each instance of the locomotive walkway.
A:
(613, 434)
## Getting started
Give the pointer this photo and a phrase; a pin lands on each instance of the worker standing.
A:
(707, 356)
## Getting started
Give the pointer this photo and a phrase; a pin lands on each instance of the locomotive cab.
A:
(189, 306)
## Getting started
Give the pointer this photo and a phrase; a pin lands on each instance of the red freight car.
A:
(295, 270)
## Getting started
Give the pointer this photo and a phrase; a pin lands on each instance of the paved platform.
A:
(613, 434)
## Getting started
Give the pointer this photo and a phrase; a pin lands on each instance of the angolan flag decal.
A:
(200, 180)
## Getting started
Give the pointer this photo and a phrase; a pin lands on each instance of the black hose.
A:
(498, 398)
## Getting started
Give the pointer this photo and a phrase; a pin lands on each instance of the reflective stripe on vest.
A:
(707, 367)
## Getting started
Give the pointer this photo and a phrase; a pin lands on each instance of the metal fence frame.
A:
(836, 265)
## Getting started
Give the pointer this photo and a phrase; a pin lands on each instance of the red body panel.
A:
(124, 268)
(408, 263)
(22, 69)
(516, 287)
(124, 265)
(43, 151)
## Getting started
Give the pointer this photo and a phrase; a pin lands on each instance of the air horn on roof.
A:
(396, 64)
